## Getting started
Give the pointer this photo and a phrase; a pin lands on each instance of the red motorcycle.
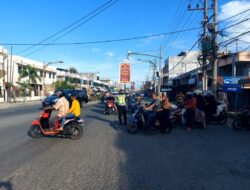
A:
(111, 108)
(72, 127)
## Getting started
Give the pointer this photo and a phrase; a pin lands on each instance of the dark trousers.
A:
(189, 117)
(163, 117)
(150, 117)
(122, 112)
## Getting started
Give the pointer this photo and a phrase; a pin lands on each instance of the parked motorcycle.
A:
(242, 120)
(72, 127)
(177, 117)
(137, 122)
(220, 119)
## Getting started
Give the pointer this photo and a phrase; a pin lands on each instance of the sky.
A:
(31, 21)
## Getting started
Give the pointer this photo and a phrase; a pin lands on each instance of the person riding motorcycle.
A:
(62, 105)
(151, 111)
(163, 114)
(109, 98)
(75, 109)
(222, 103)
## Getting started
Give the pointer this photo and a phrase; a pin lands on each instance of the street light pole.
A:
(44, 67)
(149, 55)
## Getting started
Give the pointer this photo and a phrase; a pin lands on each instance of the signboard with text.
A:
(231, 84)
(125, 73)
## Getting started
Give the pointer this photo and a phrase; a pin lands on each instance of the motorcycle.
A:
(111, 107)
(220, 119)
(242, 120)
(137, 122)
(72, 127)
(132, 105)
(178, 118)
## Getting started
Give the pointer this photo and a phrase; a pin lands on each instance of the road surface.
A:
(106, 157)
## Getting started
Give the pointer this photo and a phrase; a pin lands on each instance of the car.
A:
(81, 96)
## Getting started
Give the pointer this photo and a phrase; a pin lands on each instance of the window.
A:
(41, 73)
(54, 75)
(20, 69)
(50, 75)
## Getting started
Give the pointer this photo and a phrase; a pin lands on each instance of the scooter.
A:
(72, 127)
(242, 120)
(137, 122)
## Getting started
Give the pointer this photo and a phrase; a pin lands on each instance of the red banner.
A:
(124, 73)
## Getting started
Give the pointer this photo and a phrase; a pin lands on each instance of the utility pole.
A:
(160, 60)
(204, 41)
(204, 59)
(215, 48)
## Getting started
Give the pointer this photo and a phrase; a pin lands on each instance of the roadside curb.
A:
(17, 104)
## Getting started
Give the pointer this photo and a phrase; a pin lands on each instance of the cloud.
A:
(230, 9)
(96, 50)
(110, 54)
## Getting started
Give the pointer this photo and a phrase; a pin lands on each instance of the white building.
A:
(177, 65)
(10, 83)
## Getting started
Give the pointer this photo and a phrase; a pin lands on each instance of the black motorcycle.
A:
(220, 119)
(138, 122)
(242, 120)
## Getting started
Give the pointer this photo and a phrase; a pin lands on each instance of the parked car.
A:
(81, 96)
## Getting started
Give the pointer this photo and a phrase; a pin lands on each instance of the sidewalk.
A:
(38, 102)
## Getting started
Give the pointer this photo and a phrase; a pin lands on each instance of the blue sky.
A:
(30, 21)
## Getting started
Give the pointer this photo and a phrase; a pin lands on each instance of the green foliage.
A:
(24, 88)
(63, 85)
(31, 73)
(73, 70)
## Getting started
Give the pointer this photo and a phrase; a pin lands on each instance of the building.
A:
(12, 86)
(177, 65)
(229, 65)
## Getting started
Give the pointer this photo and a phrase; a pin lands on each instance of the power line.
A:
(242, 12)
(102, 41)
(234, 38)
(69, 26)
(90, 18)
(232, 25)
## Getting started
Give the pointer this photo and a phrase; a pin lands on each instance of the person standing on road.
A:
(189, 114)
(180, 99)
(122, 109)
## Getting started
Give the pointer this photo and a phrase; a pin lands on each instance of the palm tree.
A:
(31, 73)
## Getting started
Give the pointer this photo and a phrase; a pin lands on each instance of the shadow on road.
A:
(6, 185)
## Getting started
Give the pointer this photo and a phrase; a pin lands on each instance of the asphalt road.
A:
(106, 157)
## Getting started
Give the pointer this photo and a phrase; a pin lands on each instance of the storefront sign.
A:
(125, 73)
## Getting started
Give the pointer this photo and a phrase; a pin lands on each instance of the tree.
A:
(73, 70)
(31, 73)
(63, 85)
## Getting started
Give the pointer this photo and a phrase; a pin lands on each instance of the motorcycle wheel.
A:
(237, 124)
(222, 119)
(76, 132)
(35, 131)
(132, 128)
